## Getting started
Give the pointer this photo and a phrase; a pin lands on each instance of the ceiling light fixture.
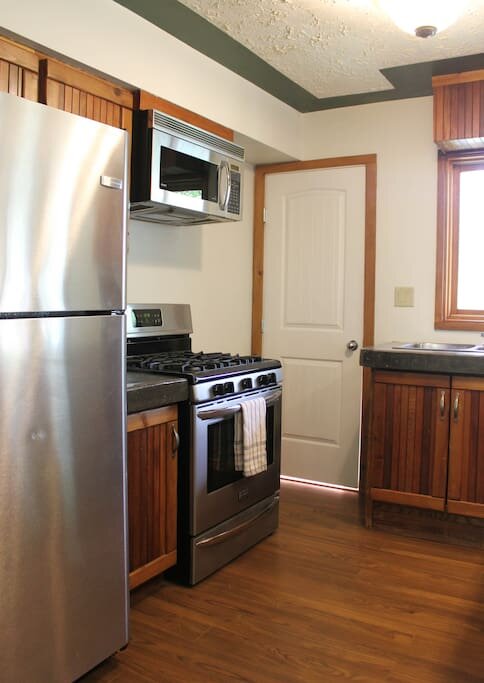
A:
(423, 18)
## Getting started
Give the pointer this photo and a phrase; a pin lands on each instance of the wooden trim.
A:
(369, 161)
(412, 499)
(19, 54)
(457, 79)
(149, 418)
(470, 383)
(447, 315)
(412, 378)
(145, 100)
(147, 571)
(81, 80)
(459, 507)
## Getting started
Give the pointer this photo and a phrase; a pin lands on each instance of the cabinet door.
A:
(19, 68)
(409, 446)
(78, 92)
(466, 459)
(152, 492)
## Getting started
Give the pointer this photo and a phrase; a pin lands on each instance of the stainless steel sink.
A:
(431, 346)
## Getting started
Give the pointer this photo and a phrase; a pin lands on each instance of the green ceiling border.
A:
(412, 80)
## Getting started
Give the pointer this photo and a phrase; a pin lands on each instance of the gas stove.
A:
(221, 512)
(159, 342)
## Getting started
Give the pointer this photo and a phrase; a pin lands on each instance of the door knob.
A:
(352, 345)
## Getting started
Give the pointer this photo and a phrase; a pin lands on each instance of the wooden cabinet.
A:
(145, 100)
(152, 492)
(427, 442)
(410, 438)
(19, 68)
(465, 494)
(459, 110)
(64, 87)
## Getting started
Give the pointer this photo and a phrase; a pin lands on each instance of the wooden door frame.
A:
(369, 162)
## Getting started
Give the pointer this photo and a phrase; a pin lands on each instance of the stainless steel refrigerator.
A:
(63, 560)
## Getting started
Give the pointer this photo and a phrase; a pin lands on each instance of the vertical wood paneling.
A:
(18, 70)
(466, 460)
(152, 493)
(409, 435)
(72, 90)
(147, 486)
(459, 111)
(3, 76)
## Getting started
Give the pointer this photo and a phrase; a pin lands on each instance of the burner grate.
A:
(189, 362)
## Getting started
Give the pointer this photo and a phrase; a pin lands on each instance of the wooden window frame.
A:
(447, 315)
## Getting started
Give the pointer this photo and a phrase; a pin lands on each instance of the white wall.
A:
(401, 135)
(209, 267)
(110, 38)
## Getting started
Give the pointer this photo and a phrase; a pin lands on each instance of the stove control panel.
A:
(246, 383)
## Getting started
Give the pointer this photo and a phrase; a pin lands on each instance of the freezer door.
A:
(63, 210)
(63, 571)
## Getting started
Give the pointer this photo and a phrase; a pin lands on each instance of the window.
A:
(460, 242)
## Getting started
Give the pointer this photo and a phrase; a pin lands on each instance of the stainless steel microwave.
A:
(181, 174)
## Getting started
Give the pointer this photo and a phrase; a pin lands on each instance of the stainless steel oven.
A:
(227, 511)
(221, 511)
(219, 491)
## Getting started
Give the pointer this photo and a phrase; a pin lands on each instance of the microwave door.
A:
(187, 176)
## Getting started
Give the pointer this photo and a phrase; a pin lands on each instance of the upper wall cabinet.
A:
(145, 100)
(19, 68)
(459, 111)
(78, 92)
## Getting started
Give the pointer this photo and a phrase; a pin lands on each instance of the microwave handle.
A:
(223, 203)
(215, 414)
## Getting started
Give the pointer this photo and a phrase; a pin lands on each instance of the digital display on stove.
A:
(147, 317)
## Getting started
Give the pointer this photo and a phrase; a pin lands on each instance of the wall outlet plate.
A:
(404, 296)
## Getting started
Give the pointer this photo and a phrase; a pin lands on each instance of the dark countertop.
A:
(147, 391)
(384, 357)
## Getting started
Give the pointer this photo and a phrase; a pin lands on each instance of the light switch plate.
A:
(404, 296)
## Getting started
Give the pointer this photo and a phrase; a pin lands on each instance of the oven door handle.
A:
(218, 413)
(225, 535)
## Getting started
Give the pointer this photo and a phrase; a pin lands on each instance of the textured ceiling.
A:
(317, 54)
(335, 47)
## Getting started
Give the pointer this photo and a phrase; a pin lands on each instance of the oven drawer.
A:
(221, 544)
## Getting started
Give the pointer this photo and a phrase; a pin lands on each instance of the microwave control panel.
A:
(234, 199)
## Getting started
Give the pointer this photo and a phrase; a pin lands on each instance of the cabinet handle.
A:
(442, 404)
(456, 406)
(175, 441)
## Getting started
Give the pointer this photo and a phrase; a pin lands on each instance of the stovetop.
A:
(199, 367)
(158, 341)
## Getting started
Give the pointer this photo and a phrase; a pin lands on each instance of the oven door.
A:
(218, 490)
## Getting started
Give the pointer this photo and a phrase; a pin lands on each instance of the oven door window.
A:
(221, 458)
(186, 175)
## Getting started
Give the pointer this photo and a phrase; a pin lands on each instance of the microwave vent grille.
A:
(173, 125)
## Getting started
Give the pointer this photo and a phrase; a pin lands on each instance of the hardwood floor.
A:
(323, 599)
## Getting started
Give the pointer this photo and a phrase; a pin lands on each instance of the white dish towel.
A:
(250, 437)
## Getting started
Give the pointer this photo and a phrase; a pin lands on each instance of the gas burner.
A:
(188, 362)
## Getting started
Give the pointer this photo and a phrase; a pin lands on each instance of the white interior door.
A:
(312, 309)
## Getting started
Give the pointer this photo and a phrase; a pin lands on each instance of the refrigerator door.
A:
(63, 566)
(63, 210)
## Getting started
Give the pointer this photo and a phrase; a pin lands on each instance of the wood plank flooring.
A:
(323, 599)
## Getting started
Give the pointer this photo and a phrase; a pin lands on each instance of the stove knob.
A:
(228, 388)
(246, 383)
(272, 378)
(262, 380)
(218, 390)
